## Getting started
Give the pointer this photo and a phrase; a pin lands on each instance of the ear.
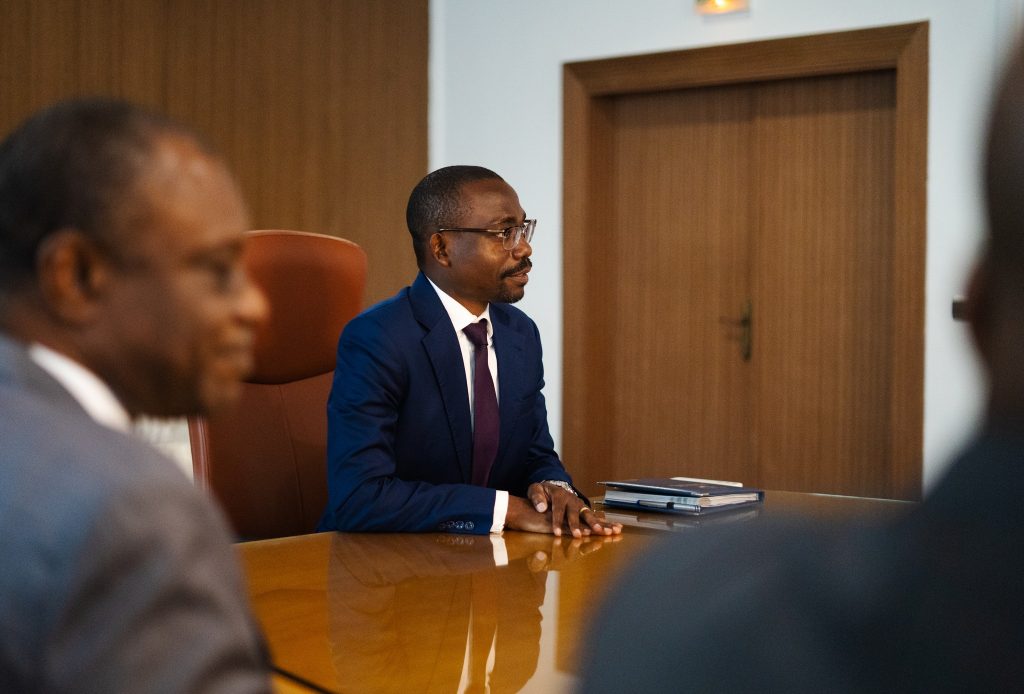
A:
(72, 275)
(439, 249)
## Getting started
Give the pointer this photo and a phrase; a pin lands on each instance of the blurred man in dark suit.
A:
(121, 293)
(930, 603)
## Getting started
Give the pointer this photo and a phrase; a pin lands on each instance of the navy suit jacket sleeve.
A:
(399, 426)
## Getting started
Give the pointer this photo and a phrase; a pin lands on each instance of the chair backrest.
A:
(265, 458)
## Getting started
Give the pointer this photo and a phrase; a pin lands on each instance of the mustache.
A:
(525, 265)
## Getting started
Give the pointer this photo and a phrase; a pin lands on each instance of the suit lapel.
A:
(509, 346)
(442, 347)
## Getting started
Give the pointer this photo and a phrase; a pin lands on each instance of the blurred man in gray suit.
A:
(121, 293)
(930, 603)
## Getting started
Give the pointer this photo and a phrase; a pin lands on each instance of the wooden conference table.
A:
(346, 612)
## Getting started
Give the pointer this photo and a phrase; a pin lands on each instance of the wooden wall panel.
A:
(118, 48)
(52, 50)
(320, 106)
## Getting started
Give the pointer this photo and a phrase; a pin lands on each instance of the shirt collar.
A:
(84, 386)
(459, 314)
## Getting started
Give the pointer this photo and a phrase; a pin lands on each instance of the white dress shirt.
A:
(461, 317)
(84, 386)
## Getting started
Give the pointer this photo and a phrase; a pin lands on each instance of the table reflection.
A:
(444, 613)
(440, 613)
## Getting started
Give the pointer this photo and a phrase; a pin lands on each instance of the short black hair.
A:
(436, 202)
(70, 166)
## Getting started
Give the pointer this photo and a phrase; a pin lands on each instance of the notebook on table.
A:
(679, 494)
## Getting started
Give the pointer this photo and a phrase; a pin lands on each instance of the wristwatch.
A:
(561, 483)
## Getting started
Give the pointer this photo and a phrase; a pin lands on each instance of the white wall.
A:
(496, 100)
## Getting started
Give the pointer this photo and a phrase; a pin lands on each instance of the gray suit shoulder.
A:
(119, 573)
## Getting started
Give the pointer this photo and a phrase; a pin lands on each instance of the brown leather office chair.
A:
(265, 459)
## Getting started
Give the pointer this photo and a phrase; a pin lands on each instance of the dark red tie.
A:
(485, 406)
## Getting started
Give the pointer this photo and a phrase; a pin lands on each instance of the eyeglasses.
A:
(510, 236)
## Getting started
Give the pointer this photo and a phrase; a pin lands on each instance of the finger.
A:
(572, 519)
(601, 526)
(562, 513)
(593, 521)
(538, 496)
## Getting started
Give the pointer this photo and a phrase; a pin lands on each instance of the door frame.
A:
(587, 90)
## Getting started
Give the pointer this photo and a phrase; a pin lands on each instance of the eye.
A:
(223, 272)
(226, 274)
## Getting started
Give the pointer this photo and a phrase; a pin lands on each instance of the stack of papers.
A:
(679, 494)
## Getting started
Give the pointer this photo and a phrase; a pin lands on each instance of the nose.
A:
(253, 307)
(523, 249)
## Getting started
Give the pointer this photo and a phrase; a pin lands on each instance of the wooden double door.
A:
(737, 300)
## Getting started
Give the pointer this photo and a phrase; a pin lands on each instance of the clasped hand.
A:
(552, 509)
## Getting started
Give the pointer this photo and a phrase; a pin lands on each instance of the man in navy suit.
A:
(413, 444)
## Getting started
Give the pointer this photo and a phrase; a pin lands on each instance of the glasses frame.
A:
(508, 242)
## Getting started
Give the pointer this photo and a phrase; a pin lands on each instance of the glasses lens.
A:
(514, 234)
(530, 225)
(511, 238)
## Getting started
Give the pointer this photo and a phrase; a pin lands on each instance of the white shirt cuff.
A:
(500, 510)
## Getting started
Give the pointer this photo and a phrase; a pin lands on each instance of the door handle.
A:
(745, 324)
